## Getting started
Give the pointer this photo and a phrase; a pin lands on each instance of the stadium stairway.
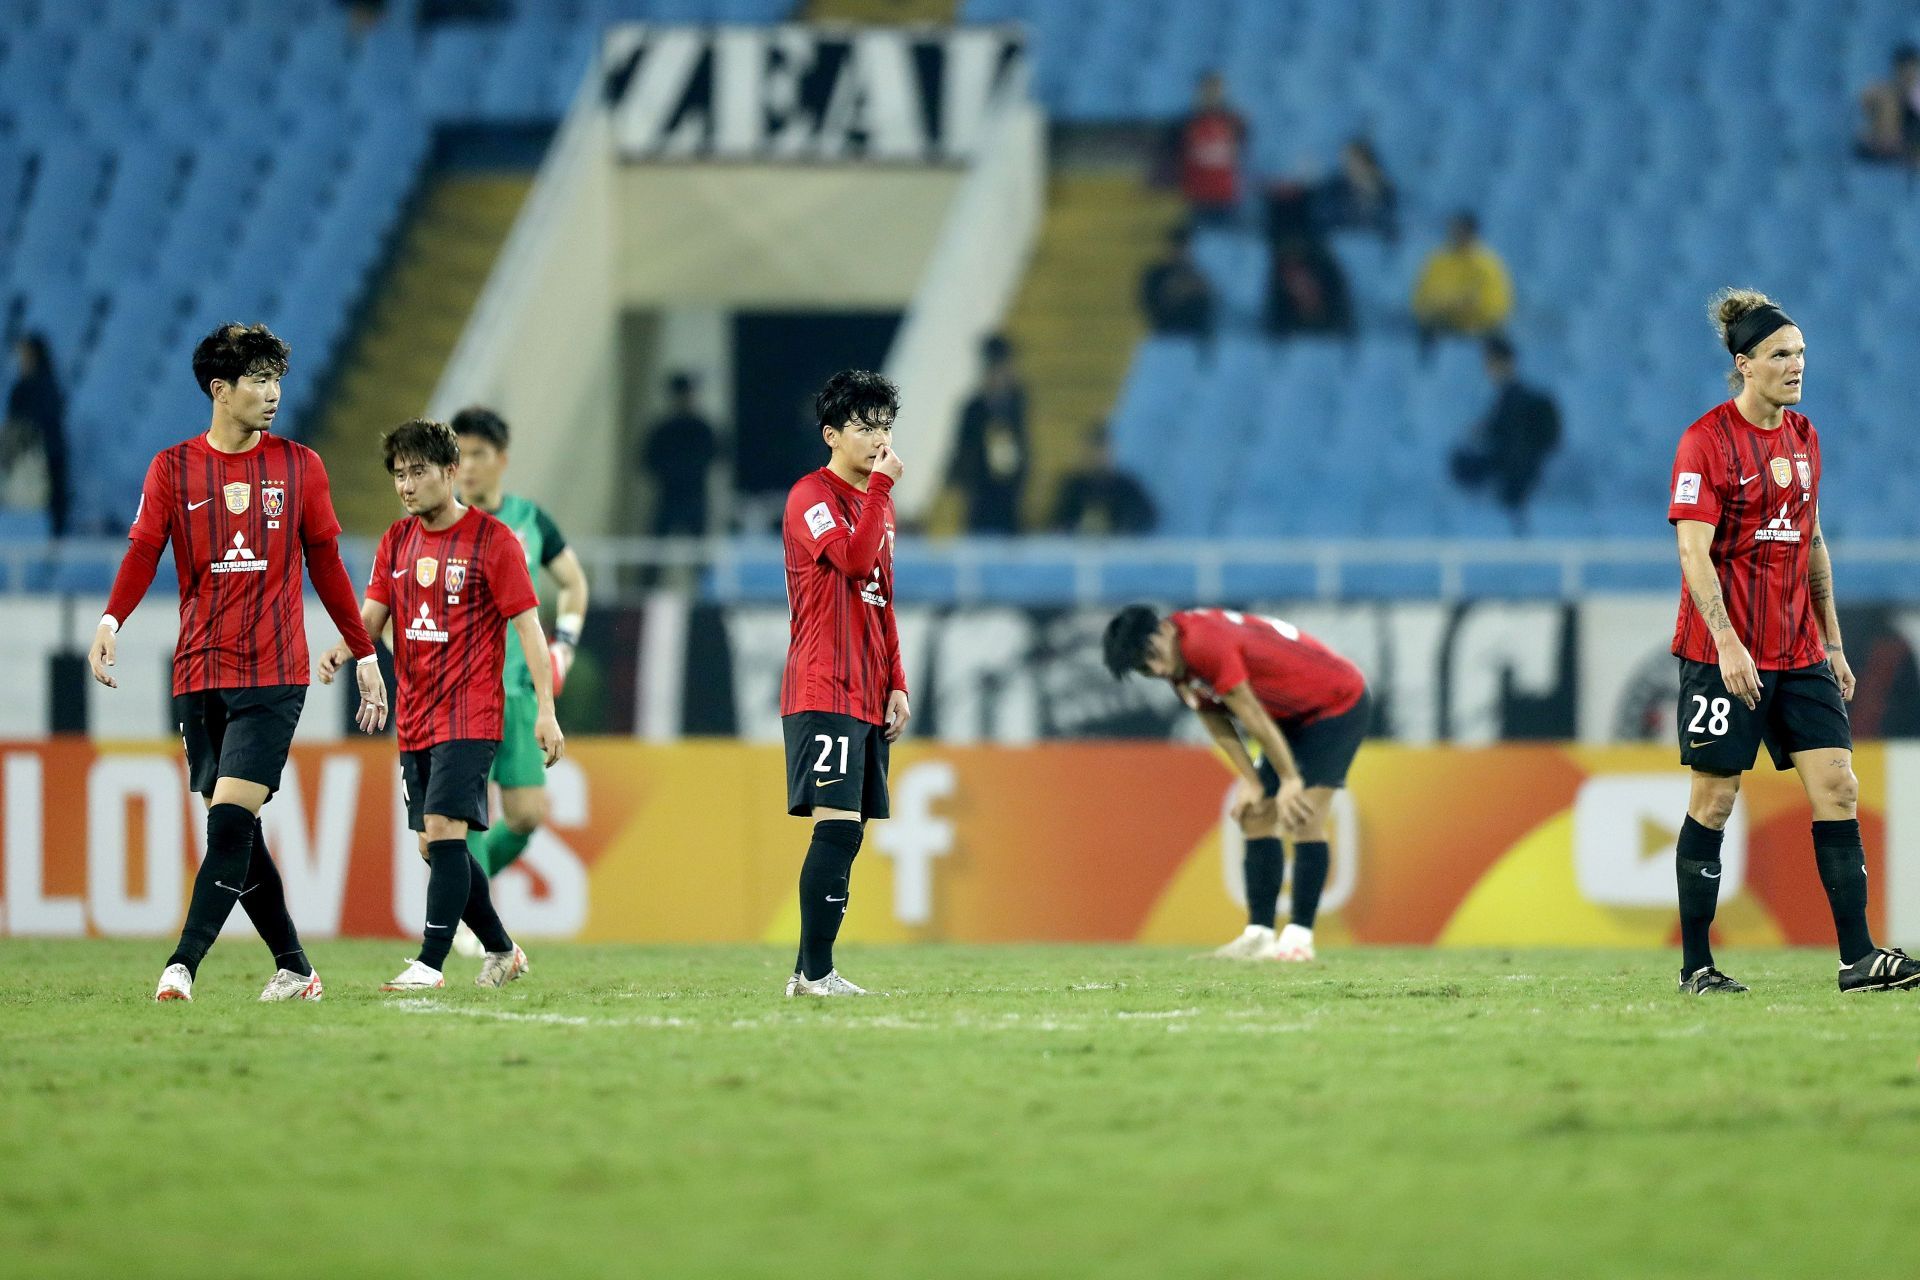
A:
(1077, 318)
(411, 327)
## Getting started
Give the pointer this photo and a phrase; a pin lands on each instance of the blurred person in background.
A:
(1891, 133)
(519, 767)
(1510, 446)
(1205, 150)
(1360, 196)
(1174, 294)
(991, 459)
(36, 425)
(1100, 499)
(1306, 289)
(679, 452)
(1464, 288)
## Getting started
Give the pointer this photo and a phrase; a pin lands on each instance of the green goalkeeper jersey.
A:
(542, 541)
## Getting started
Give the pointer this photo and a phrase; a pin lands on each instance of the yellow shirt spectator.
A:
(1463, 286)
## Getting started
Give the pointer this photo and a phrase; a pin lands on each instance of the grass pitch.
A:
(1042, 1112)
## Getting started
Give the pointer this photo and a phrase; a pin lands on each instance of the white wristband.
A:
(372, 657)
(110, 622)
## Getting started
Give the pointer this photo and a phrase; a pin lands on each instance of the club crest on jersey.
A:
(456, 577)
(1782, 472)
(425, 570)
(239, 496)
(273, 501)
(1806, 473)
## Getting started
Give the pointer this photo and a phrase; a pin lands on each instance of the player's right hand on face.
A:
(888, 463)
(100, 656)
(1738, 673)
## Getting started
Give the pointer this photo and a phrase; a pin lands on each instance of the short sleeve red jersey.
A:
(238, 523)
(843, 651)
(1295, 677)
(451, 593)
(1760, 490)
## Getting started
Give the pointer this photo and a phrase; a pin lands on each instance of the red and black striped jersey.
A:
(843, 650)
(1296, 678)
(238, 523)
(1760, 490)
(451, 593)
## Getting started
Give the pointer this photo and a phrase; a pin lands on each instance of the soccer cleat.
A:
(1882, 969)
(1293, 946)
(465, 943)
(1707, 981)
(501, 967)
(416, 977)
(176, 983)
(831, 985)
(1253, 944)
(285, 984)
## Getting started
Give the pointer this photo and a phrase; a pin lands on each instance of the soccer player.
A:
(1758, 640)
(243, 509)
(1262, 682)
(843, 697)
(453, 578)
(518, 769)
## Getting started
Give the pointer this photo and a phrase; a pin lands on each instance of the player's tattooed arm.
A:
(1737, 670)
(1820, 587)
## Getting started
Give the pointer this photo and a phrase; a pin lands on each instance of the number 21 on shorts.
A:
(826, 752)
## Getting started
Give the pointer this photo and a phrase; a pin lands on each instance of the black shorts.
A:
(448, 779)
(1799, 710)
(238, 733)
(836, 762)
(1325, 749)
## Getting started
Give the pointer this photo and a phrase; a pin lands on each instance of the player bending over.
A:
(843, 698)
(453, 578)
(243, 509)
(1260, 681)
(1758, 640)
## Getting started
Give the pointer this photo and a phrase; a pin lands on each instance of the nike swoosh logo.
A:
(1697, 745)
(831, 898)
(396, 573)
(238, 893)
(1711, 875)
(195, 506)
(828, 782)
(1750, 479)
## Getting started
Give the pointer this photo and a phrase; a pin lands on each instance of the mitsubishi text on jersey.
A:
(843, 653)
(1760, 490)
(1296, 678)
(238, 523)
(451, 593)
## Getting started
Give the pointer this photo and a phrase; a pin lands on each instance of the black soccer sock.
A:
(1261, 867)
(1843, 873)
(222, 877)
(265, 903)
(1310, 861)
(479, 914)
(448, 880)
(1697, 871)
(824, 880)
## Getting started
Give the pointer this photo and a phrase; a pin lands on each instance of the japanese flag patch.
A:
(1687, 488)
(819, 520)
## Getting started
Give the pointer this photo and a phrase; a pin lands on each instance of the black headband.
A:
(1744, 334)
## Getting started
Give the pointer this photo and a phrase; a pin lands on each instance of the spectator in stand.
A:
(991, 458)
(1892, 110)
(1510, 447)
(1101, 500)
(1463, 288)
(679, 451)
(1306, 289)
(1173, 293)
(1207, 147)
(34, 434)
(1360, 197)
